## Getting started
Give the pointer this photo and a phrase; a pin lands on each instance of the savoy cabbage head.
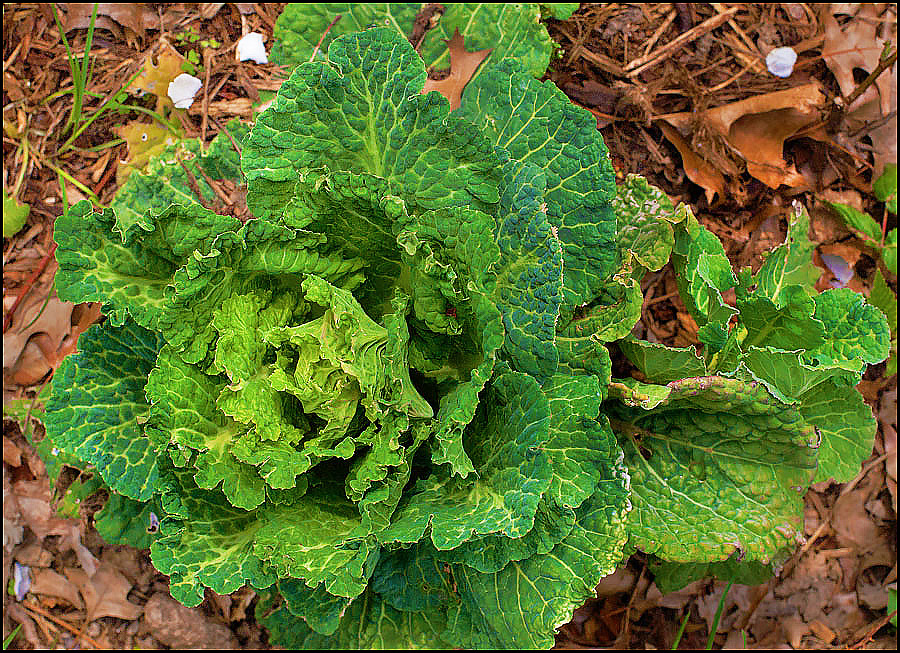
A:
(388, 396)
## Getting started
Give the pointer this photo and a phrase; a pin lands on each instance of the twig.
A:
(720, 8)
(207, 60)
(31, 607)
(659, 32)
(865, 470)
(110, 169)
(757, 601)
(192, 182)
(727, 82)
(212, 184)
(883, 64)
(27, 287)
(602, 61)
(870, 633)
(875, 124)
(641, 64)
(622, 637)
(237, 148)
(327, 29)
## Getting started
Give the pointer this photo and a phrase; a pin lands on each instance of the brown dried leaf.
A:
(852, 524)
(185, 628)
(758, 127)
(105, 593)
(49, 583)
(760, 139)
(12, 454)
(858, 44)
(55, 321)
(697, 169)
(463, 65)
(135, 16)
(32, 350)
(210, 9)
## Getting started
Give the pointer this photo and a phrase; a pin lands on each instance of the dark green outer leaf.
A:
(521, 606)
(661, 364)
(97, 402)
(301, 25)
(212, 547)
(717, 467)
(319, 609)
(363, 112)
(536, 124)
(512, 30)
(504, 442)
(369, 623)
(529, 274)
(125, 521)
(672, 576)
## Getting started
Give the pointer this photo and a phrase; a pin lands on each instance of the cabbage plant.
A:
(386, 402)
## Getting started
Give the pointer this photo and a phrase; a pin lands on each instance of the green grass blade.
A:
(715, 624)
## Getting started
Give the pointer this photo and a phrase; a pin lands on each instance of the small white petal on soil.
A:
(251, 47)
(780, 61)
(182, 90)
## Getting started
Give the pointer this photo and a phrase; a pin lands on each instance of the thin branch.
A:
(641, 64)
(883, 64)
(237, 148)
(31, 607)
(327, 29)
(192, 182)
(28, 284)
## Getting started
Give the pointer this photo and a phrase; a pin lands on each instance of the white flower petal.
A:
(251, 47)
(182, 90)
(780, 61)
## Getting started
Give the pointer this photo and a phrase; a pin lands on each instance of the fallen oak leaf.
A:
(47, 582)
(858, 44)
(136, 16)
(105, 593)
(463, 65)
(698, 170)
(39, 316)
(756, 128)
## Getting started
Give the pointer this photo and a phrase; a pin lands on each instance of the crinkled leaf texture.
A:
(357, 397)
(721, 444)
(511, 30)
